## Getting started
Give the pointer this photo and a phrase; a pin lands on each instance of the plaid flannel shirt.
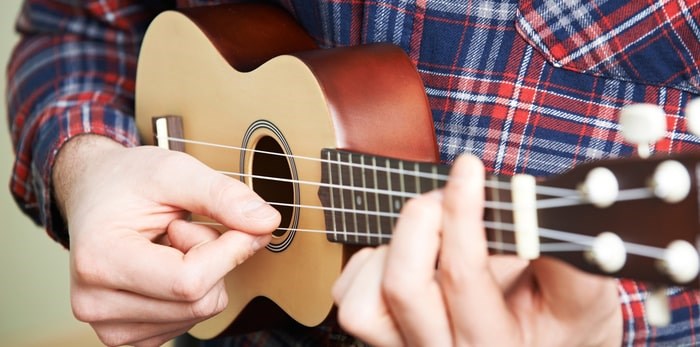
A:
(528, 86)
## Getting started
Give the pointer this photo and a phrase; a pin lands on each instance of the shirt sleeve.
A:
(684, 328)
(71, 73)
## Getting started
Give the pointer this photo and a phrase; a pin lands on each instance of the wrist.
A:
(73, 161)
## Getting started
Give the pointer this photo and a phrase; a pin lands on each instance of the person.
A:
(526, 86)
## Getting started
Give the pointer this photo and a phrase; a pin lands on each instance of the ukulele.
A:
(338, 139)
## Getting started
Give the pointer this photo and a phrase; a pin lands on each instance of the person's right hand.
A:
(142, 274)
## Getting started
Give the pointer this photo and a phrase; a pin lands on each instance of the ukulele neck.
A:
(363, 196)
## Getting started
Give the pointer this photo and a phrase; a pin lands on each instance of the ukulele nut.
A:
(671, 181)
(600, 187)
(608, 252)
(525, 222)
(680, 261)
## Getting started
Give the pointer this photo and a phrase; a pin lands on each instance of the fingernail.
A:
(260, 242)
(259, 209)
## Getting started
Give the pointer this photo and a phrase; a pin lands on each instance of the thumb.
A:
(186, 183)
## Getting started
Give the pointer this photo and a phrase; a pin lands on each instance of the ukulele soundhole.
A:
(274, 191)
(273, 177)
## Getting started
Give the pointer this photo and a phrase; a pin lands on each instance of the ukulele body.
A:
(247, 76)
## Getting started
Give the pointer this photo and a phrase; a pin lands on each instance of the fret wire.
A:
(385, 200)
(402, 182)
(497, 214)
(365, 202)
(352, 197)
(330, 193)
(342, 198)
(389, 184)
(434, 171)
(376, 199)
(544, 190)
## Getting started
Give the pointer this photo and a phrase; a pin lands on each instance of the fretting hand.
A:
(396, 296)
(141, 273)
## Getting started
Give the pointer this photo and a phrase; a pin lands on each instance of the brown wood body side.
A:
(374, 94)
(376, 97)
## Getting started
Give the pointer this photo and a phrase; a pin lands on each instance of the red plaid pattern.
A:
(528, 86)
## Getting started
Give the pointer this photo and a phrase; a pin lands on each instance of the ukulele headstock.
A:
(638, 217)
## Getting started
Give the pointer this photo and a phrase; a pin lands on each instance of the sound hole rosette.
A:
(268, 167)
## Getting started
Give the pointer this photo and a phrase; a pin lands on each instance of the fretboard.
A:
(363, 195)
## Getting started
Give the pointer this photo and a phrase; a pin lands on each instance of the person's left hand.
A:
(395, 295)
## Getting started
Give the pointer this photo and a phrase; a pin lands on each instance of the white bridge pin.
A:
(642, 125)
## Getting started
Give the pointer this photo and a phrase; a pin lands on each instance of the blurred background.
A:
(34, 297)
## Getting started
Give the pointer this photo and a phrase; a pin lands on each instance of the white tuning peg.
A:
(608, 252)
(671, 181)
(600, 187)
(642, 125)
(657, 307)
(692, 116)
(680, 261)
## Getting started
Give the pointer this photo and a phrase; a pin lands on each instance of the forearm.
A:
(72, 73)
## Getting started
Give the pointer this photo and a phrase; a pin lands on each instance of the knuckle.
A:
(420, 206)
(397, 290)
(224, 191)
(84, 309)
(208, 306)
(85, 269)
(111, 337)
(352, 319)
(188, 288)
(453, 274)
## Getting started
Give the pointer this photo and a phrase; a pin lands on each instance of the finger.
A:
(164, 272)
(161, 339)
(409, 285)
(118, 306)
(119, 334)
(212, 194)
(350, 271)
(185, 235)
(467, 284)
(362, 311)
(570, 291)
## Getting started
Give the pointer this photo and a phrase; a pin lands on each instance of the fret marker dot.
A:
(397, 204)
(358, 200)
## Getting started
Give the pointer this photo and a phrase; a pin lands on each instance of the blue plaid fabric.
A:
(528, 86)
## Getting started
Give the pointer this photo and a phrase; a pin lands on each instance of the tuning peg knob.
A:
(680, 261)
(642, 125)
(671, 181)
(608, 252)
(692, 116)
(600, 187)
(658, 311)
